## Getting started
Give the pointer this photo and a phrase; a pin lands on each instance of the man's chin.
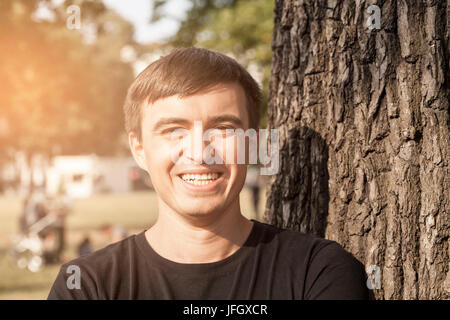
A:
(199, 213)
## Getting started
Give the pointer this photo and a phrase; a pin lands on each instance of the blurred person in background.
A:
(85, 246)
(45, 216)
(27, 216)
(41, 230)
(34, 208)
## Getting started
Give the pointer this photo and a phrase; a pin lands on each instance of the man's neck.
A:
(181, 240)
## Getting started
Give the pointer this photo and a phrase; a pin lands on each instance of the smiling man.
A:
(202, 246)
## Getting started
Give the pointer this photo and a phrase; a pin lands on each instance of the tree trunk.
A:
(363, 118)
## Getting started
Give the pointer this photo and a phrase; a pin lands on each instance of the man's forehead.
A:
(221, 104)
(221, 93)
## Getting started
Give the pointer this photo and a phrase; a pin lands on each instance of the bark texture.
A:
(363, 117)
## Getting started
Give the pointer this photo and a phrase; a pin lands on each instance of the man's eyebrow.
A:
(181, 121)
(167, 121)
(227, 118)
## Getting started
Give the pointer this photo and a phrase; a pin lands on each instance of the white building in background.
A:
(79, 176)
(73, 174)
(83, 176)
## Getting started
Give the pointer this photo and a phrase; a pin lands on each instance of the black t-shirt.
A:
(273, 263)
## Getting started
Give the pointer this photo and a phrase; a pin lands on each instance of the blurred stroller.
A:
(41, 238)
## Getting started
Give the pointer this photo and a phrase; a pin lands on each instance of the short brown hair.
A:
(184, 72)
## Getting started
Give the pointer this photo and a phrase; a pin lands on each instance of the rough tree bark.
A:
(363, 117)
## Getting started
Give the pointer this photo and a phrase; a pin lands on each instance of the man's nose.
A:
(196, 144)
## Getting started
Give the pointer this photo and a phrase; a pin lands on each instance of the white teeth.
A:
(200, 179)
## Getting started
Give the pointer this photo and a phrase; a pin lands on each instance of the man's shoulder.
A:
(292, 237)
(105, 258)
(85, 277)
(324, 267)
(305, 246)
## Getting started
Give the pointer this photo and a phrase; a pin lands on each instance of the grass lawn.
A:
(135, 211)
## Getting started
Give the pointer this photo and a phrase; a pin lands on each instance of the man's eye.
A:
(223, 131)
(171, 130)
(224, 127)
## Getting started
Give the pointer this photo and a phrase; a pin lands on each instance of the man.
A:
(201, 246)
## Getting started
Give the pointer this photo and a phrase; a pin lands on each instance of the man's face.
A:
(188, 182)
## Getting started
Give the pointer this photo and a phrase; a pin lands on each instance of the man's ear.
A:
(137, 149)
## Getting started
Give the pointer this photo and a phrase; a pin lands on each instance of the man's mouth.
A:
(200, 179)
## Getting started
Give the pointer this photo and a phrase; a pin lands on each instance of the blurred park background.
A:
(65, 68)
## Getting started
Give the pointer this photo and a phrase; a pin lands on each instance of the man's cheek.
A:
(159, 153)
(229, 150)
(158, 167)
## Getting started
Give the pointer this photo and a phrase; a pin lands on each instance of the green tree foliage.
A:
(59, 92)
